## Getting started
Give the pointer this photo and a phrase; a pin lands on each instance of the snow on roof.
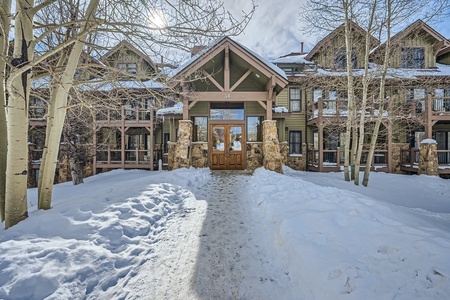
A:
(280, 109)
(270, 65)
(293, 59)
(124, 84)
(176, 109)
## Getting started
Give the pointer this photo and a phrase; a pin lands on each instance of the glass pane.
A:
(254, 129)
(235, 138)
(200, 129)
(219, 138)
(227, 114)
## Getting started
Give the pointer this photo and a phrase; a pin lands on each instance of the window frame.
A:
(195, 132)
(410, 58)
(258, 135)
(299, 100)
(299, 143)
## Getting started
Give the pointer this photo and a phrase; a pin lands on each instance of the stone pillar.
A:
(171, 148)
(397, 148)
(273, 160)
(428, 159)
(183, 149)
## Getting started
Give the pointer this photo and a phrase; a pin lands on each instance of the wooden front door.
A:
(226, 147)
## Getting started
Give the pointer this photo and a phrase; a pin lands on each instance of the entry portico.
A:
(227, 93)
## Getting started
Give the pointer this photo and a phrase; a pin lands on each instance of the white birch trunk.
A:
(350, 92)
(365, 82)
(4, 35)
(56, 117)
(374, 137)
(17, 116)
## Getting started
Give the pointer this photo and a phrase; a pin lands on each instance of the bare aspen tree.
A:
(5, 25)
(365, 90)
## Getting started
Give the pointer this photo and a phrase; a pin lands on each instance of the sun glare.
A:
(157, 20)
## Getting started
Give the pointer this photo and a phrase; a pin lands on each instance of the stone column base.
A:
(273, 160)
(428, 160)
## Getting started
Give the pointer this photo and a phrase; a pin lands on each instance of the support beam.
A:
(192, 104)
(227, 68)
(262, 104)
(270, 86)
(213, 80)
(240, 80)
(228, 97)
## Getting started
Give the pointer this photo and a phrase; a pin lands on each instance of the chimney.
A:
(197, 49)
(301, 48)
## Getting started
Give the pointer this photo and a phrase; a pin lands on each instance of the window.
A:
(166, 140)
(129, 67)
(413, 58)
(340, 59)
(227, 111)
(442, 100)
(295, 142)
(317, 93)
(254, 129)
(200, 130)
(295, 99)
(418, 96)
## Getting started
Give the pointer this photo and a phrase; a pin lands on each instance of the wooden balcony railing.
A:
(111, 116)
(335, 159)
(109, 157)
(410, 158)
(437, 107)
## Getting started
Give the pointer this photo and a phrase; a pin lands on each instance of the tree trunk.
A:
(387, 51)
(6, 25)
(17, 117)
(56, 116)
(350, 91)
(76, 171)
(365, 82)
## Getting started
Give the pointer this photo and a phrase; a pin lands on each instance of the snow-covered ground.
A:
(196, 234)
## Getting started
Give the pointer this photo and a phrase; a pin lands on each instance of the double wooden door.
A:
(226, 147)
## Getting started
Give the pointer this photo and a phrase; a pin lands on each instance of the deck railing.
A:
(410, 157)
(116, 115)
(335, 158)
(110, 156)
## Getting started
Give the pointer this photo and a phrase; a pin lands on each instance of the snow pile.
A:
(340, 243)
(280, 109)
(96, 236)
(176, 109)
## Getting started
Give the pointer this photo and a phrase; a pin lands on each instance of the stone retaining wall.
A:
(254, 155)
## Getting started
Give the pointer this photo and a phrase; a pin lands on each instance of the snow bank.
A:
(95, 237)
(341, 244)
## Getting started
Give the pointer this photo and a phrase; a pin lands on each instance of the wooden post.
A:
(122, 130)
(320, 148)
(227, 69)
(152, 142)
(428, 114)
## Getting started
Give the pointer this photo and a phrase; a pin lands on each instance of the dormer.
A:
(415, 47)
(127, 58)
(330, 52)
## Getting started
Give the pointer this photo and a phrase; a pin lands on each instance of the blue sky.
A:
(275, 29)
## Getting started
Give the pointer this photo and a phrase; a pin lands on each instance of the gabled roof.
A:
(340, 30)
(197, 61)
(129, 46)
(416, 26)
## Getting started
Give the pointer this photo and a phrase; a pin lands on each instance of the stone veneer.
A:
(428, 159)
(199, 154)
(296, 162)
(397, 148)
(183, 150)
(171, 147)
(254, 155)
(272, 160)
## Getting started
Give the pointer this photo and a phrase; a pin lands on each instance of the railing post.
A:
(338, 157)
(412, 156)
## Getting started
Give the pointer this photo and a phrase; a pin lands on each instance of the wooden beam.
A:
(213, 80)
(227, 68)
(270, 86)
(227, 97)
(262, 104)
(240, 80)
(185, 109)
(193, 103)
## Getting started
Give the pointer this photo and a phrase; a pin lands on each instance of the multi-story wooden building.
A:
(227, 97)
(233, 109)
